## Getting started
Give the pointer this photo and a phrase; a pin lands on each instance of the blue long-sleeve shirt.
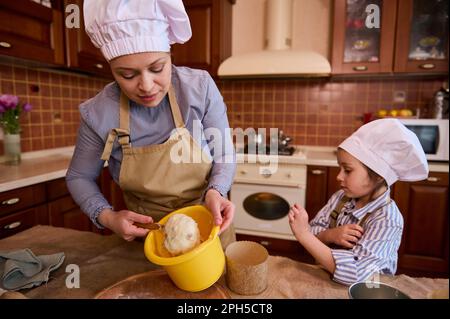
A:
(199, 100)
(376, 251)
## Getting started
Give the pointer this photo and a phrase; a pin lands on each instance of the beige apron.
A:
(158, 179)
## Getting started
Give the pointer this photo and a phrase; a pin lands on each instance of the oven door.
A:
(262, 210)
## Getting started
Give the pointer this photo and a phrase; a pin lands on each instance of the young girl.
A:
(358, 232)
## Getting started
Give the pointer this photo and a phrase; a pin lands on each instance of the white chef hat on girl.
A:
(390, 149)
(120, 27)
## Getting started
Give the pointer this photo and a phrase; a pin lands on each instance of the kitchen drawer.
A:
(21, 198)
(284, 175)
(17, 222)
(56, 188)
(436, 178)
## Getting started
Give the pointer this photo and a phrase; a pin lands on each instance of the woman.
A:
(142, 121)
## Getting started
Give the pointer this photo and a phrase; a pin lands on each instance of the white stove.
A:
(263, 192)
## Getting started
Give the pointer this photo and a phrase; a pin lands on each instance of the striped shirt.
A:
(376, 251)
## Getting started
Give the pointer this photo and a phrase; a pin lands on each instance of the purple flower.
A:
(2, 108)
(9, 101)
(27, 107)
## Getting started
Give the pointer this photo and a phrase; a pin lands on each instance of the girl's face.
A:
(143, 77)
(353, 177)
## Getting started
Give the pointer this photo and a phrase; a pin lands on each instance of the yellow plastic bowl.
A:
(197, 269)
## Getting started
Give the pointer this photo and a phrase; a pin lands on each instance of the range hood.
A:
(278, 59)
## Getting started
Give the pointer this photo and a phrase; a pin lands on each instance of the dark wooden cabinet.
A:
(50, 203)
(62, 210)
(412, 37)
(316, 189)
(111, 190)
(18, 221)
(81, 54)
(321, 184)
(22, 208)
(422, 36)
(358, 49)
(21, 198)
(31, 31)
(34, 32)
(425, 241)
(211, 35)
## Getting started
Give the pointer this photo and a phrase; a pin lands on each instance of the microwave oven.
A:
(433, 136)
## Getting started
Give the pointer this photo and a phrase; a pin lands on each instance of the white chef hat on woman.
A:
(390, 149)
(120, 27)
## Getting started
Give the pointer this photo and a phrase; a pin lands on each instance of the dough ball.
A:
(181, 234)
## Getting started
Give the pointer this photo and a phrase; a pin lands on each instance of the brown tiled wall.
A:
(319, 111)
(311, 111)
(53, 121)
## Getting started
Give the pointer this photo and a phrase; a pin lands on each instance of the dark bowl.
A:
(374, 290)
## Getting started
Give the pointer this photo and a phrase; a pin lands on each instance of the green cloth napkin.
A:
(21, 269)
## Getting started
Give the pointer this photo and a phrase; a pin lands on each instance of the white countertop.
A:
(316, 155)
(36, 167)
(41, 166)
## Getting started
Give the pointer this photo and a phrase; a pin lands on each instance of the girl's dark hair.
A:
(379, 181)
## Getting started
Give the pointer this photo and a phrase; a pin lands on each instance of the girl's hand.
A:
(346, 235)
(221, 208)
(298, 220)
(122, 223)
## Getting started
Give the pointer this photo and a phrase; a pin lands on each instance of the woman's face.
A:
(143, 77)
(353, 177)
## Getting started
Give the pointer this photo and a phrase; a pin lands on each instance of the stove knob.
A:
(266, 173)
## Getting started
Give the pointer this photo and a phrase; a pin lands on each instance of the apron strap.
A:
(366, 216)
(124, 112)
(177, 118)
(337, 210)
(123, 132)
(124, 140)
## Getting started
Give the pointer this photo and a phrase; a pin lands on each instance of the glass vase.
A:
(12, 149)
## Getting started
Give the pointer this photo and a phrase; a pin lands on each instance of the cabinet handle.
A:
(11, 201)
(317, 172)
(98, 65)
(5, 44)
(427, 66)
(433, 179)
(13, 225)
(243, 172)
(360, 68)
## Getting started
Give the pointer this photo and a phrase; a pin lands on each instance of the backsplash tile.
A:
(311, 111)
(55, 97)
(320, 111)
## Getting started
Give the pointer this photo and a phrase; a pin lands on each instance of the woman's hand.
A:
(298, 220)
(221, 208)
(346, 235)
(122, 223)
